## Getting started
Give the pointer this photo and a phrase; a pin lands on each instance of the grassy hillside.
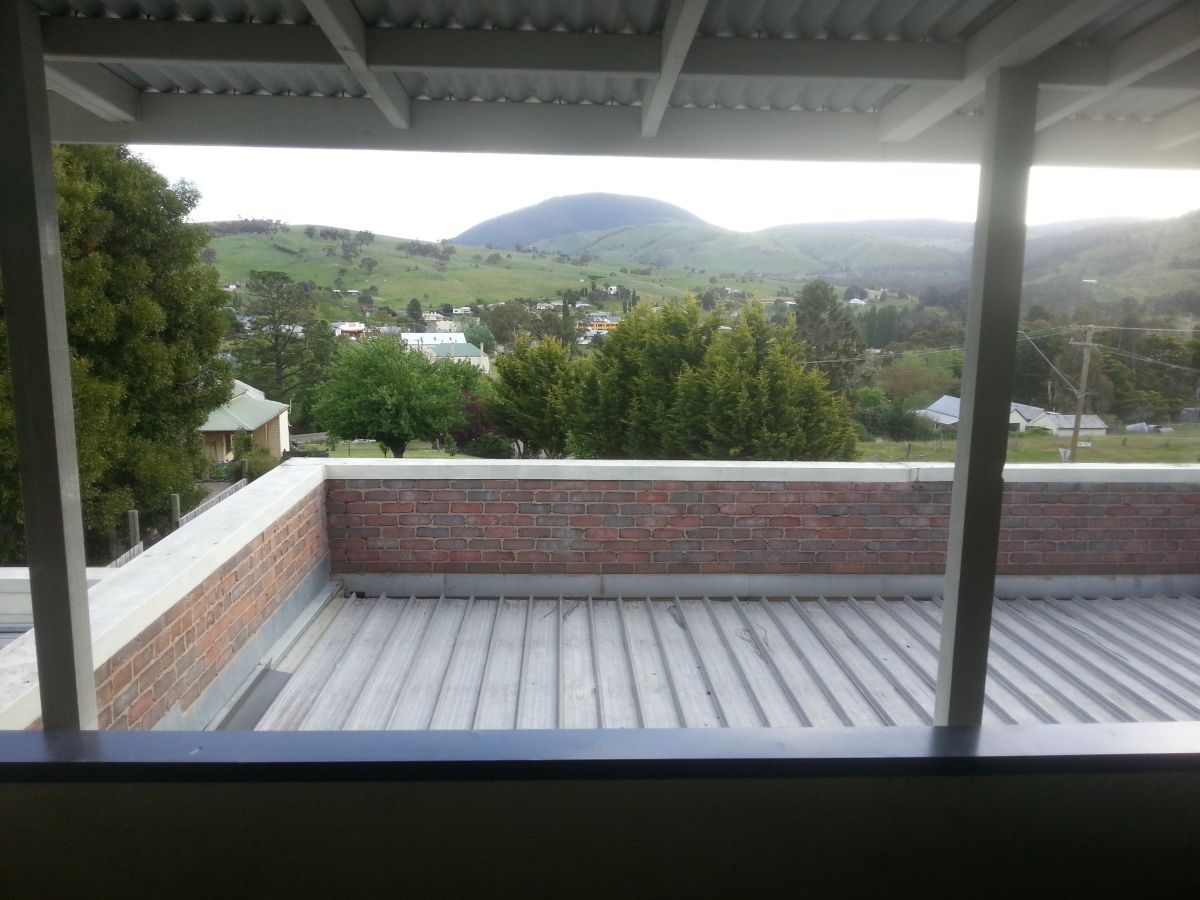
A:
(468, 276)
(1145, 259)
(794, 252)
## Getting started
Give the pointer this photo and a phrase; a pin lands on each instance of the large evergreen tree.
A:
(529, 397)
(825, 325)
(144, 327)
(751, 399)
(286, 348)
(626, 389)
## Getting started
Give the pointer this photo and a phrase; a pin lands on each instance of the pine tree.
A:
(827, 328)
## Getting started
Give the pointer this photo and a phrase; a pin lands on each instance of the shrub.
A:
(490, 446)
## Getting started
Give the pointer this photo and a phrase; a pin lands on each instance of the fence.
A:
(211, 502)
(129, 554)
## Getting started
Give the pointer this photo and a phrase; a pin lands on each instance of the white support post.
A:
(993, 313)
(35, 314)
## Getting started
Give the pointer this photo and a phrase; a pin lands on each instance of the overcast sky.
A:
(438, 195)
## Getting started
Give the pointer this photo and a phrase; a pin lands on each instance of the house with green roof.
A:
(458, 350)
(248, 410)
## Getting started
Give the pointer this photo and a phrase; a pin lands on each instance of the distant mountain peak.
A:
(570, 214)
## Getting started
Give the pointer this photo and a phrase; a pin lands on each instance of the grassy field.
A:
(468, 276)
(1039, 447)
(371, 450)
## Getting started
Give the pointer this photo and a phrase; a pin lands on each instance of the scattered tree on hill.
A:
(381, 390)
(529, 397)
(144, 325)
(368, 263)
(827, 328)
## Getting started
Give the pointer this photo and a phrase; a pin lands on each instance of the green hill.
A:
(468, 275)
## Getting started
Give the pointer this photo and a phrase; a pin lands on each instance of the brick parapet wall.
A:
(585, 527)
(184, 650)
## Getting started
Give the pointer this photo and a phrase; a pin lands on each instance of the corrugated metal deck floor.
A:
(665, 663)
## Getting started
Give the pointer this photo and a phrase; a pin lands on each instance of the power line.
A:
(1131, 328)
(1058, 371)
(1147, 359)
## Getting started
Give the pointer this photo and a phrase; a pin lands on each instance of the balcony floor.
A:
(454, 663)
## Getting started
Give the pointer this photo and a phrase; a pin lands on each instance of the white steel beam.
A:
(39, 364)
(346, 31)
(1155, 47)
(993, 310)
(1178, 128)
(333, 123)
(96, 89)
(679, 29)
(1016, 36)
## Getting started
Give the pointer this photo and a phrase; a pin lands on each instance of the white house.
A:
(945, 412)
(463, 311)
(462, 351)
(352, 330)
(1063, 424)
(248, 410)
(431, 316)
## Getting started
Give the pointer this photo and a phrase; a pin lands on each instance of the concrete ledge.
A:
(688, 470)
(16, 604)
(126, 602)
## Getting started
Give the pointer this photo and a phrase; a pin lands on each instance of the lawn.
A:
(1183, 446)
(1031, 447)
(371, 450)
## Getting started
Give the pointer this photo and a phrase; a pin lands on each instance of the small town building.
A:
(249, 411)
(1063, 424)
(461, 351)
(944, 413)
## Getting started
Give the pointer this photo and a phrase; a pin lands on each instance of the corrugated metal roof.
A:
(453, 663)
(776, 56)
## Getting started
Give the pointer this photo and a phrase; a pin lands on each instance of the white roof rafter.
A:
(683, 18)
(1019, 34)
(95, 89)
(348, 33)
(1155, 47)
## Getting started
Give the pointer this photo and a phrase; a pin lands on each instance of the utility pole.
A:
(1082, 392)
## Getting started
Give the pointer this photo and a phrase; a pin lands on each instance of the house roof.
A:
(454, 351)
(945, 410)
(244, 411)
(1067, 420)
(789, 79)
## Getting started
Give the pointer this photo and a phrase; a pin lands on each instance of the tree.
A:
(368, 263)
(144, 325)
(381, 390)
(827, 328)
(752, 399)
(415, 313)
(447, 309)
(286, 347)
(625, 389)
(481, 336)
(507, 320)
(529, 397)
